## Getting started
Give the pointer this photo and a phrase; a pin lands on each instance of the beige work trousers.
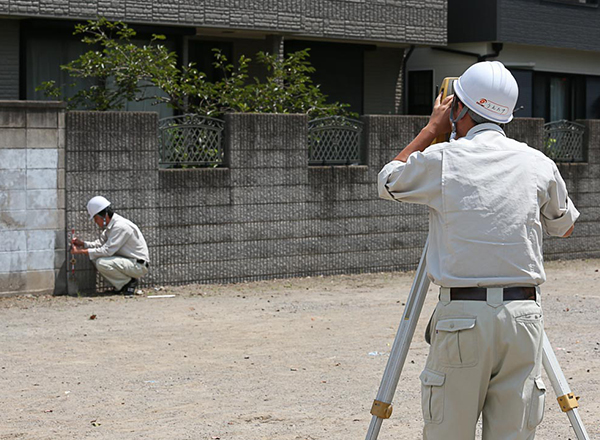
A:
(485, 358)
(119, 270)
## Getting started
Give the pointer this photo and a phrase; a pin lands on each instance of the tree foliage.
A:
(118, 70)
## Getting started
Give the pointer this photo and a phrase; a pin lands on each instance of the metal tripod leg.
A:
(566, 399)
(382, 406)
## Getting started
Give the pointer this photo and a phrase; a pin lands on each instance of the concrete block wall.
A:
(113, 154)
(583, 183)
(32, 197)
(528, 130)
(267, 214)
(417, 22)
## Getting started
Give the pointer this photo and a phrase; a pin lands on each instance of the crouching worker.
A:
(121, 253)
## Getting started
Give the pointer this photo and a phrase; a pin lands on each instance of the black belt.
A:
(480, 293)
(143, 262)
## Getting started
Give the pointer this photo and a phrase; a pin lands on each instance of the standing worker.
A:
(490, 199)
(121, 253)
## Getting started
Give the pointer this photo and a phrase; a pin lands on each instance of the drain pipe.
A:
(404, 85)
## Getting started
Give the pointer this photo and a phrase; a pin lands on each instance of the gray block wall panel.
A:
(13, 137)
(42, 158)
(12, 118)
(42, 179)
(13, 262)
(13, 159)
(11, 241)
(13, 200)
(13, 179)
(42, 199)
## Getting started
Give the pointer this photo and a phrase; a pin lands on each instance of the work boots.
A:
(129, 288)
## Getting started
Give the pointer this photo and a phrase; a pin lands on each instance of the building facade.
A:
(357, 47)
(549, 45)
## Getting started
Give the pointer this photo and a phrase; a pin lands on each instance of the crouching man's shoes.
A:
(130, 287)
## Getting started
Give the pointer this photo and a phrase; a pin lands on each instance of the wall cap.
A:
(50, 105)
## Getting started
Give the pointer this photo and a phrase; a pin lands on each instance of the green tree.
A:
(120, 71)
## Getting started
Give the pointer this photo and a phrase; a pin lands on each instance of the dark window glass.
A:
(202, 54)
(339, 70)
(47, 46)
(593, 97)
(559, 96)
(420, 92)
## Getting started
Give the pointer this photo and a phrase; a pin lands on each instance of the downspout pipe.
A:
(404, 84)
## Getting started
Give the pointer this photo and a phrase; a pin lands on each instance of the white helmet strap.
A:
(461, 115)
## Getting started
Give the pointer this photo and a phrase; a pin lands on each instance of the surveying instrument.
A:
(382, 405)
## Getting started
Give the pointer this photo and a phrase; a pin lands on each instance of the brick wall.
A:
(32, 223)
(419, 22)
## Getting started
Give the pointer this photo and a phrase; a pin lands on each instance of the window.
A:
(47, 46)
(201, 53)
(559, 96)
(339, 70)
(420, 92)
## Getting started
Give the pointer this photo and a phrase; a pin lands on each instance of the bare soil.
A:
(290, 359)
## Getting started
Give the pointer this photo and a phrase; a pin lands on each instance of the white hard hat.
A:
(489, 89)
(95, 205)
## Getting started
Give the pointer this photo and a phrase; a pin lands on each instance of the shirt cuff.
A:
(560, 226)
(384, 176)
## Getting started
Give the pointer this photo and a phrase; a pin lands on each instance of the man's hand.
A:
(569, 232)
(76, 241)
(77, 250)
(439, 123)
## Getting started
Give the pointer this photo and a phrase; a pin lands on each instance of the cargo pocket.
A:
(456, 342)
(538, 399)
(432, 396)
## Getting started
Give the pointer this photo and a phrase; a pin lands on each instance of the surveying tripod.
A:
(382, 406)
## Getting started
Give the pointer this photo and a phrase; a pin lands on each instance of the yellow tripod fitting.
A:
(568, 402)
(381, 409)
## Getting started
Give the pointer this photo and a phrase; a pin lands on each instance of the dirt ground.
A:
(291, 359)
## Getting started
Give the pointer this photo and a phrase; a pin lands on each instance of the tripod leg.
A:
(382, 406)
(566, 399)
